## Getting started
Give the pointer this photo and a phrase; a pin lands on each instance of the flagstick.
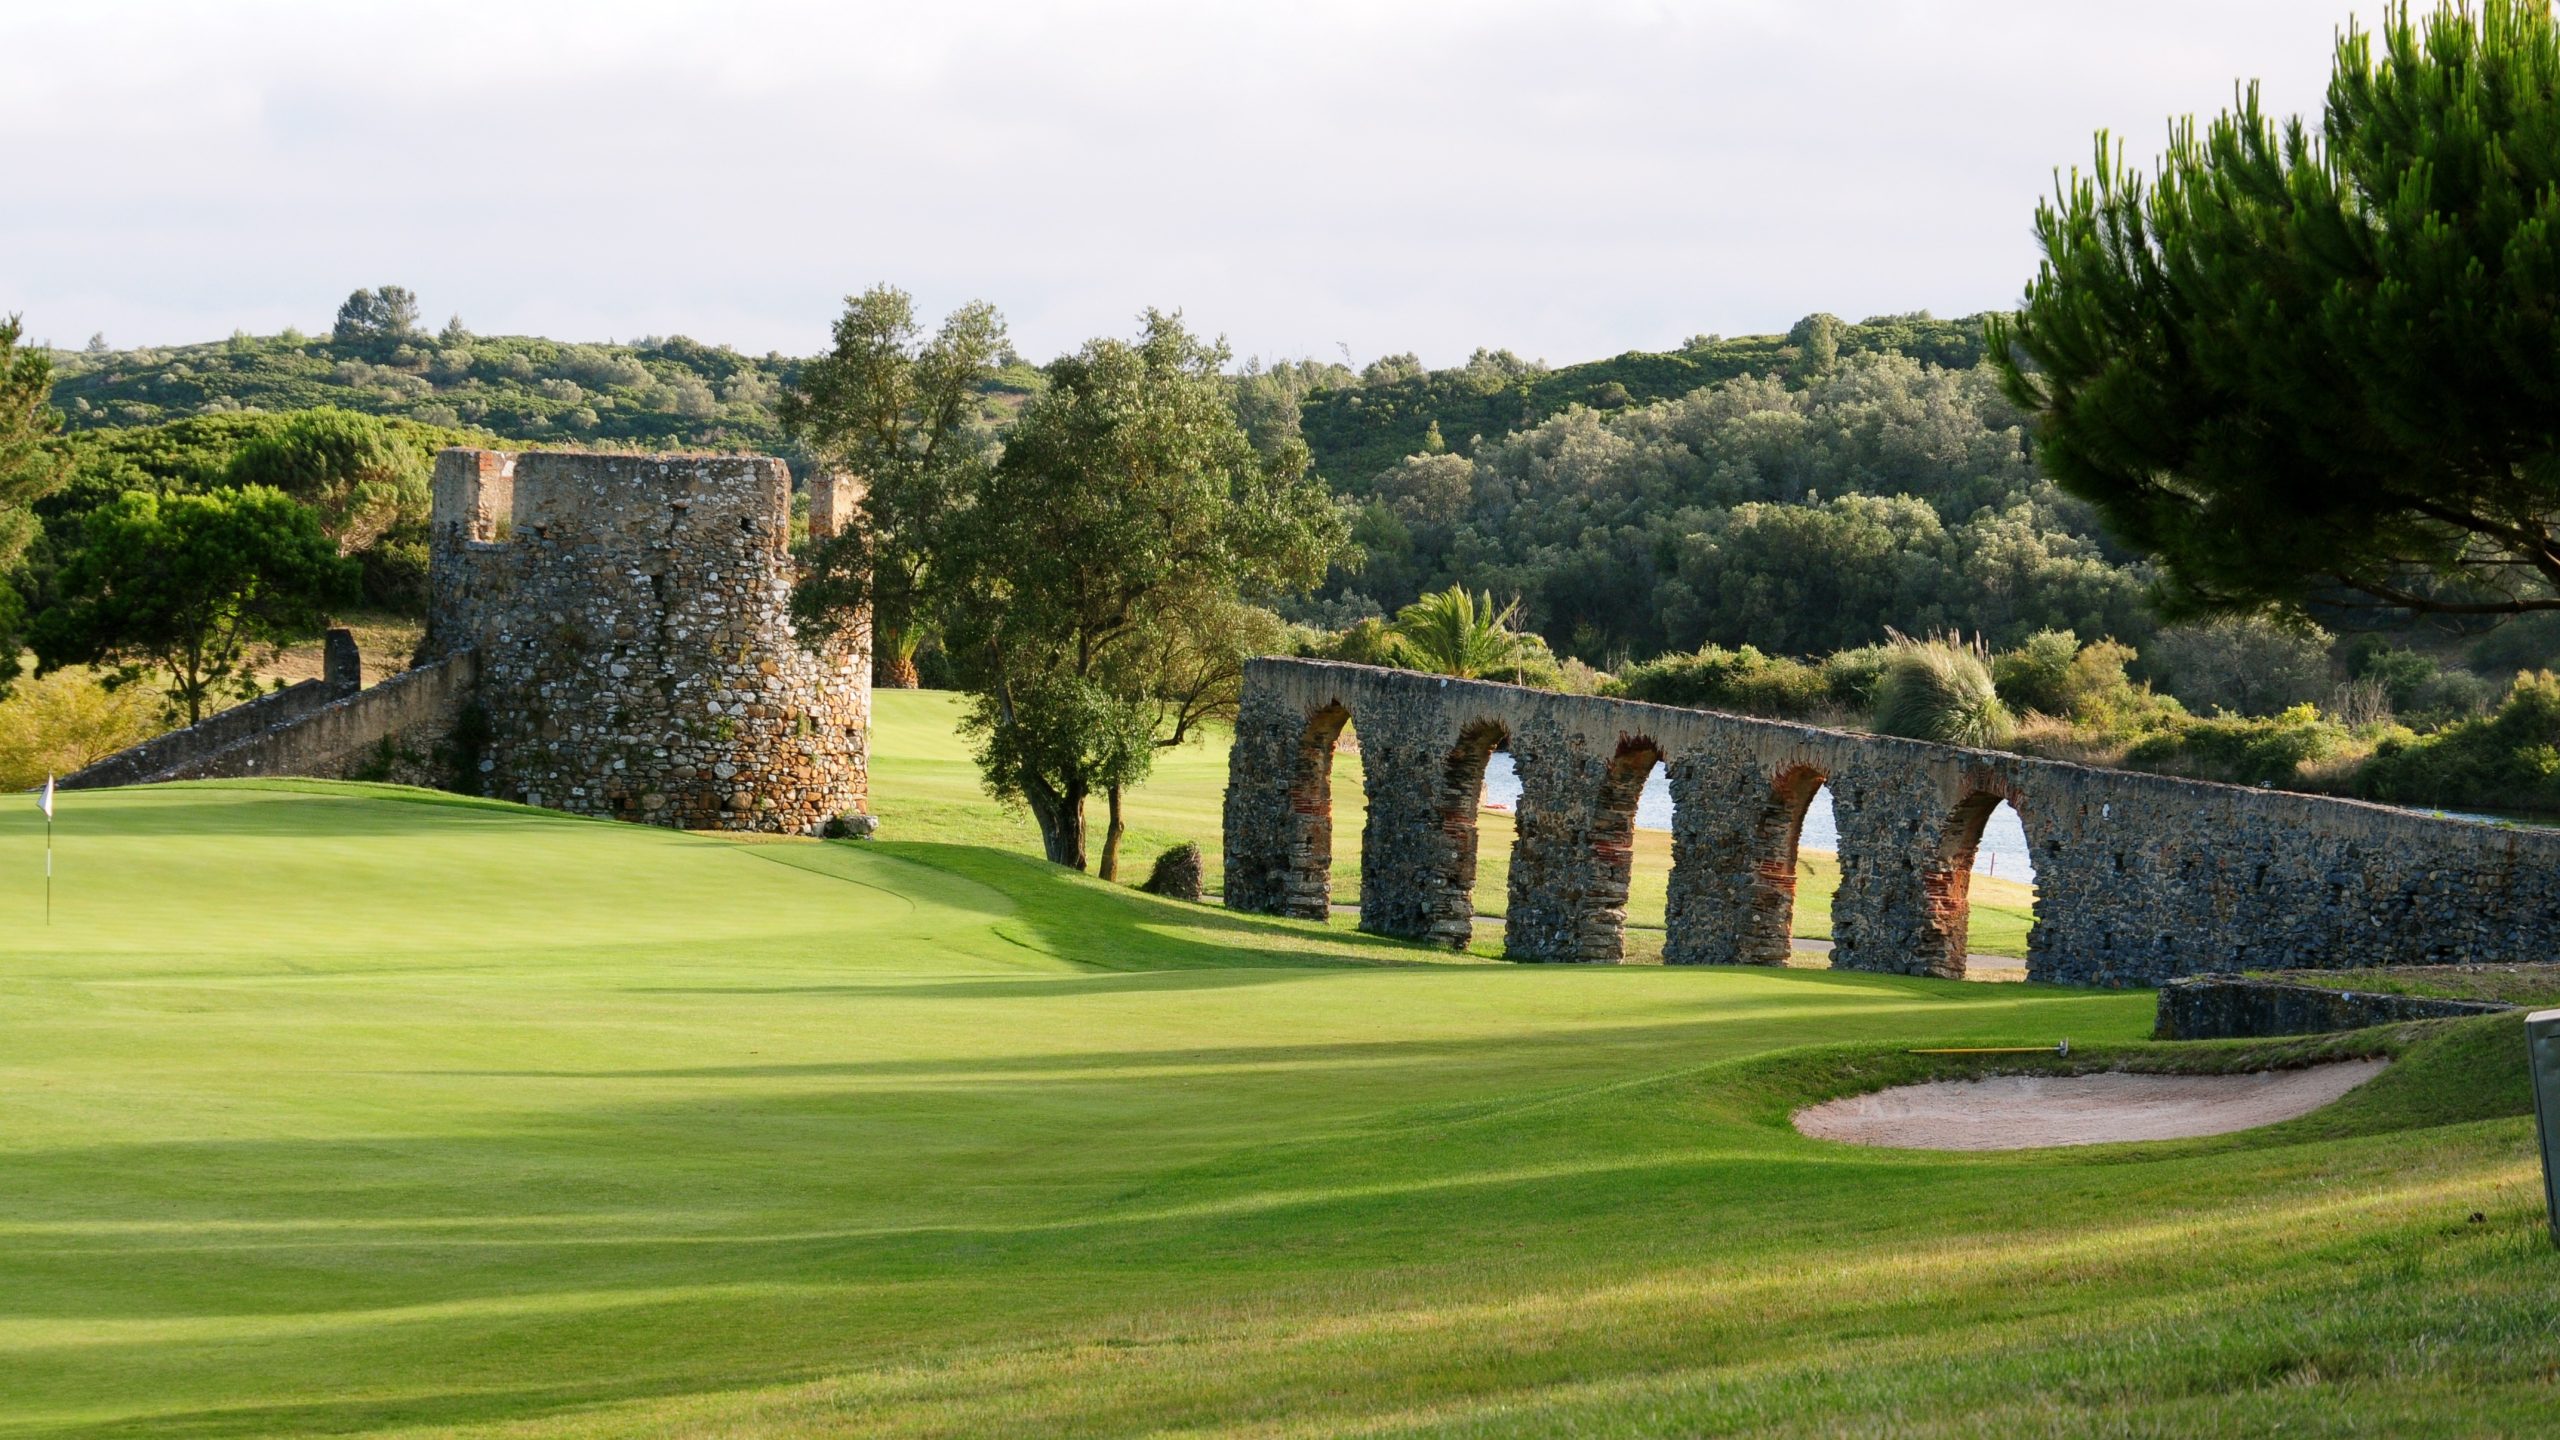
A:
(46, 801)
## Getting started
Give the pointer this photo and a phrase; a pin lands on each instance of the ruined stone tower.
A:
(630, 615)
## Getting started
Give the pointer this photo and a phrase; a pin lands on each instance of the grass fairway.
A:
(345, 1109)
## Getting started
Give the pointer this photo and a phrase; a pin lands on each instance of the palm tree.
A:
(1455, 633)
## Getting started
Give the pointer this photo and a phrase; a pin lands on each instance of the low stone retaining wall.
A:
(398, 730)
(390, 732)
(2234, 1007)
(342, 675)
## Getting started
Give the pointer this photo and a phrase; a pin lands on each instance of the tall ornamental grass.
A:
(1940, 689)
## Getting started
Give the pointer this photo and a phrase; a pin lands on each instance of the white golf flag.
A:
(45, 801)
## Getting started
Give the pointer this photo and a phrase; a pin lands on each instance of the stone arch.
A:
(1457, 799)
(1603, 920)
(1308, 887)
(1947, 884)
(1778, 828)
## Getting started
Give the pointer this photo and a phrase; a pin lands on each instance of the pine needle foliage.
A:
(2309, 366)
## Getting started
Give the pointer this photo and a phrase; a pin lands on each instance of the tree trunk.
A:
(1061, 820)
(1109, 869)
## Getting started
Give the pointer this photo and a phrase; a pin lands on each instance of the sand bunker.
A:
(2023, 1112)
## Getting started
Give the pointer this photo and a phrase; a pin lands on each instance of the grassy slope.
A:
(358, 1110)
(928, 789)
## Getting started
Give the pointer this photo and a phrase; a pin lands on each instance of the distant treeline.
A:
(1798, 492)
(668, 393)
(1803, 496)
(1359, 424)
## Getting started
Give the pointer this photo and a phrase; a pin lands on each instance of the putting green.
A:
(356, 1110)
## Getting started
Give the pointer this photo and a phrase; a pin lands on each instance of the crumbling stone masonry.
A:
(608, 634)
(186, 753)
(637, 657)
(2139, 877)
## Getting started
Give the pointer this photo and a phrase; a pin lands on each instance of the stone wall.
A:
(636, 653)
(2139, 877)
(401, 730)
(2233, 1007)
(342, 675)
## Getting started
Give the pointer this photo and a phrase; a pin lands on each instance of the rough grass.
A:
(356, 1110)
(926, 787)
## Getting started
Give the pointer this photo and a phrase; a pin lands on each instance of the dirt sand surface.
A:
(2024, 1112)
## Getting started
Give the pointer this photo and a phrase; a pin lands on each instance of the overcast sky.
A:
(1570, 180)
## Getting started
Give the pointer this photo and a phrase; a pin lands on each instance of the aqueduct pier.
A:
(2139, 877)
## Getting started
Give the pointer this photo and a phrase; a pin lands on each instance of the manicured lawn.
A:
(926, 787)
(344, 1109)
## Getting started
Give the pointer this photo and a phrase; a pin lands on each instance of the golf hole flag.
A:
(44, 802)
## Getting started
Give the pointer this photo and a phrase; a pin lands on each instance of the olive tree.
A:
(898, 409)
(1129, 506)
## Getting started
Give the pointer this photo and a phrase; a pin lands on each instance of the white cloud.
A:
(1567, 179)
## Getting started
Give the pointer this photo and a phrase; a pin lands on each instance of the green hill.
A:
(678, 393)
(1357, 431)
(661, 394)
(352, 1110)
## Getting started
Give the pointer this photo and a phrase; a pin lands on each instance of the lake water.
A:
(2003, 851)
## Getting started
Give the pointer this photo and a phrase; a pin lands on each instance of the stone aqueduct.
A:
(2139, 877)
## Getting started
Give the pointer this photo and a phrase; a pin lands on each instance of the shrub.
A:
(2244, 750)
(2085, 688)
(395, 571)
(2036, 677)
(2449, 696)
(1365, 642)
(2051, 738)
(2414, 686)
(1940, 689)
(1176, 873)
(2527, 642)
(68, 719)
(2509, 760)
(1850, 675)
(1743, 680)
(2247, 665)
(2399, 671)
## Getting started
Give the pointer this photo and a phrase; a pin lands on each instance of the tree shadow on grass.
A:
(1115, 927)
